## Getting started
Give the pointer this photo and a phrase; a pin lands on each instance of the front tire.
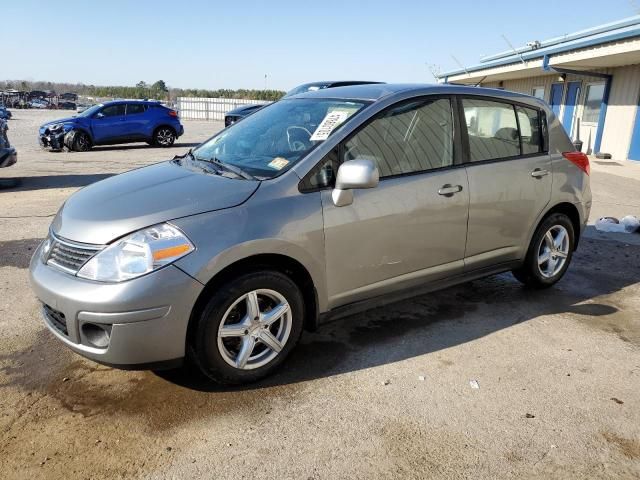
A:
(549, 253)
(164, 137)
(77, 141)
(248, 327)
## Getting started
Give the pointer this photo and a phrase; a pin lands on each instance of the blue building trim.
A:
(628, 28)
(603, 114)
(634, 148)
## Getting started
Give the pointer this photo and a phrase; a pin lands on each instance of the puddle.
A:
(17, 253)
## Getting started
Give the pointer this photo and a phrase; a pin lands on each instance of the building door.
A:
(573, 93)
(555, 99)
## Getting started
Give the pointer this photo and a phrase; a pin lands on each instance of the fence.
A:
(191, 108)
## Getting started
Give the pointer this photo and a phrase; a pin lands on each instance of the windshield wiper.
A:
(196, 162)
(232, 168)
(220, 166)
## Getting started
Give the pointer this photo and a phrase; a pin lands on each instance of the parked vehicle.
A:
(8, 154)
(66, 106)
(122, 121)
(243, 111)
(4, 113)
(323, 203)
(38, 103)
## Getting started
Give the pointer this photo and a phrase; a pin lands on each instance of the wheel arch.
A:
(84, 130)
(571, 211)
(266, 261)
(163, 125)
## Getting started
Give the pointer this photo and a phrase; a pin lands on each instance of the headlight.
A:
(60, 126)
(137, 254)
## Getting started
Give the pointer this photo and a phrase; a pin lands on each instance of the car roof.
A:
(374, 92)
(113, 102)
(329, 83)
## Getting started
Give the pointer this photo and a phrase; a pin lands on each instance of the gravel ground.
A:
(385, 394)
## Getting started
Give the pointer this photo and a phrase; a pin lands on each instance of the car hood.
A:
(111, 208)
(61, 120)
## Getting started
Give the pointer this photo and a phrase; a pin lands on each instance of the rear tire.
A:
(236, 340)
(549, 253)
(164, 137)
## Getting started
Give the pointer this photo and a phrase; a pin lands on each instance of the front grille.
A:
(56, 318)
(69, 256)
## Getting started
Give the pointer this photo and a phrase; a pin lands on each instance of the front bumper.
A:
(145, 318)
(53, 141)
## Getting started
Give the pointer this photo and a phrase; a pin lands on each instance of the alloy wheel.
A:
(254, 329)
(553, 251)
(164, 137)
(83, 142)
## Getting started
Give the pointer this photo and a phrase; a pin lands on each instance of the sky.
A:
(234, 44)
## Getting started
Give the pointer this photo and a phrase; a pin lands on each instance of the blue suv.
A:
(121, 121)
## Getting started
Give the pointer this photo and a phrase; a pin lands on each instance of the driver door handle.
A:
(539, 173)
(449, 190)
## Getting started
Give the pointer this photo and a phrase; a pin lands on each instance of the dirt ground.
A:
(384, 394)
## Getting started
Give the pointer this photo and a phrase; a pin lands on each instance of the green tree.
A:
(160, 86)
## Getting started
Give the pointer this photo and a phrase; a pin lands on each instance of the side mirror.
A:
(99, 115)
(354, 174)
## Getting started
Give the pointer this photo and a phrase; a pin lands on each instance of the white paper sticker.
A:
(279, 163)
(331, 121)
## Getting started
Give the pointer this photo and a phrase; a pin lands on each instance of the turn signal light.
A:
(580, 160)
(176, 251)
(173, 113)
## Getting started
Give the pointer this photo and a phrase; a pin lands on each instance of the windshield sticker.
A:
(331, 121)
(279, 163)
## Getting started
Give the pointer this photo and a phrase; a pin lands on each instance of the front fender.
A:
(225, 237)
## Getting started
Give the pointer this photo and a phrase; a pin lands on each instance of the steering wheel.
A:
(298, 138)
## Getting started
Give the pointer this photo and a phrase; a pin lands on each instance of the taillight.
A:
(579, 159)
(173, 113)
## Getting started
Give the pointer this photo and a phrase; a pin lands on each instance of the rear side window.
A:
(530, 131)
(409, 138)
(135, 108)
(492, 129)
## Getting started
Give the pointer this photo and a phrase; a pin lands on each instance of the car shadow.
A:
(43, 182)
(440, 320)
(139, 146)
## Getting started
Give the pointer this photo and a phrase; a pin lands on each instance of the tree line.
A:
(158, 90)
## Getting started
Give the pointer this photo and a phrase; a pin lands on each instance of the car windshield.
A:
(276, 137)
(90, 111)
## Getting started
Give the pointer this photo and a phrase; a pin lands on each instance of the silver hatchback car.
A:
(320, 204)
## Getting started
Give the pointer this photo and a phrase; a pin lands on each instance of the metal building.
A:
(590, 78)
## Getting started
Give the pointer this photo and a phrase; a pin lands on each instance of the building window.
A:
(592, 102)
(538, 92)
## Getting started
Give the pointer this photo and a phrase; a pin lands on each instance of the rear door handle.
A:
(448, 190)
(539, 173)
